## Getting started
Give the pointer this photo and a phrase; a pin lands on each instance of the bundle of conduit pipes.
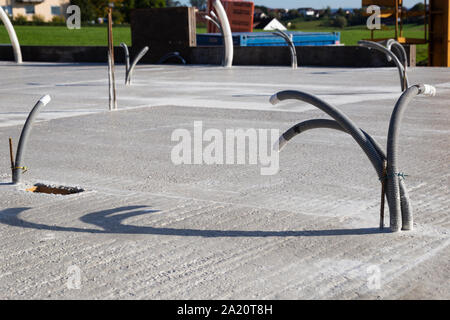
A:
(385, 164)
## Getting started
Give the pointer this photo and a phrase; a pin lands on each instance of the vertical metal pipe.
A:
(11, 155)
(18, 166)
(12, 36)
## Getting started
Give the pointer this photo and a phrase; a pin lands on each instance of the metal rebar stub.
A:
(111, 78)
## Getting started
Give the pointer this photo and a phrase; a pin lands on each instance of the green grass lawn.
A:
(97, 35)
(62, 36)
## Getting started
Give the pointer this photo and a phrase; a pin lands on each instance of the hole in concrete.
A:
(63, 190)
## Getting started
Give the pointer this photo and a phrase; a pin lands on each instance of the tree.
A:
(418, 7)
(340, 12)
(340, 22)
(149, 3)
(200, 4)
(87, 9)
(173, 3)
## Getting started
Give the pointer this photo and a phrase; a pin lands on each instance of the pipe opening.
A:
(51, 189)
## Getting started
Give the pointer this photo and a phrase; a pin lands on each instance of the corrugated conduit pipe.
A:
(18, 166)
(345, 123)
(332, 124)
(404, 84)
(393, 176)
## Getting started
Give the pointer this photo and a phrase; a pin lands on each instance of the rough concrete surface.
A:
(145, 228)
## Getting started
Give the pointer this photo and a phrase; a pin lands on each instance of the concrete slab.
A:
(147, 228)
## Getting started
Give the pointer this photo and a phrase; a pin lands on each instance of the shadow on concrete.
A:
(110, 222)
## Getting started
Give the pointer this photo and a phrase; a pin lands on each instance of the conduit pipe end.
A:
(45, 99)
(274, 99)
(279, 145)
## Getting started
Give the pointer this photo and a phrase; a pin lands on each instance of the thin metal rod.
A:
(11, 154)
(383, 192)
(112, 82)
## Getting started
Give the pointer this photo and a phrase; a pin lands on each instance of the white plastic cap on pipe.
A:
(45, 99)
(429, 90)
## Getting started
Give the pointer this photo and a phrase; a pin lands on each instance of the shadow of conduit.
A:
(110, 222)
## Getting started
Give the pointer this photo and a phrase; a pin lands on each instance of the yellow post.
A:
(439, 46)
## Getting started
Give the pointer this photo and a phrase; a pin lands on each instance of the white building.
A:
(45, 8)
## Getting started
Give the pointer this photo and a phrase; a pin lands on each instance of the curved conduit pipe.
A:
(404, 84)
(332, 124)
(288, 40)
(390, 44)
(348, 125)
(18, 166)
(127, 59)
(393, 175)
(12, 36)
(227, 35)
(342, 119)
(213, 18)
(172, 55)
(129, 69)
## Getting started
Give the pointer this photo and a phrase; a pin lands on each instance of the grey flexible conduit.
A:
(394, 201)
(390, 44)
(363, 141)
(127, 59)
(332, 124)
(404, 83)
(340, 118)
(135, 61)
(291, 46)
(129, 69)
(323, 124)
(18, 166)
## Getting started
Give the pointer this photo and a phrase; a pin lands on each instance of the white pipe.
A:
(12, 35)
(228, 39)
